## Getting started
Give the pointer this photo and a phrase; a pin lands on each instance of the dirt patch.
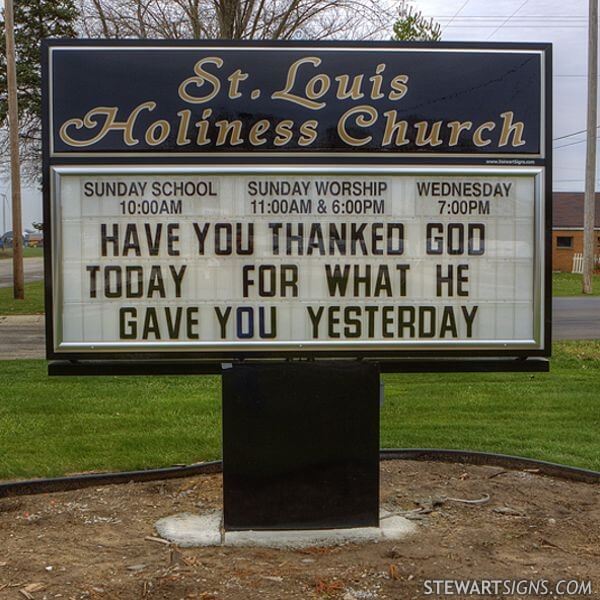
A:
(94, 543)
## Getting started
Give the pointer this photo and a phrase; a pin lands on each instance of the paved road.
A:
(576, 318)
(34, 270)
(573, 319)
(22, 337)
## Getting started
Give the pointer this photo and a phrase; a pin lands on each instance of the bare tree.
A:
(238, 19)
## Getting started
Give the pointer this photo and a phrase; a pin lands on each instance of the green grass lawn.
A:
(32, 305)
(52, 426)
(569, 284)
(27, 253)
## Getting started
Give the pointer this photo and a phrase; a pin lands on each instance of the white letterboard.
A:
(297, 258)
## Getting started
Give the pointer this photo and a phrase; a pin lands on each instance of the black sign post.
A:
(297, 216)
(301, 446)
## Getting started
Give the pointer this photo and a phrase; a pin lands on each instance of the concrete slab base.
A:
(189, 530)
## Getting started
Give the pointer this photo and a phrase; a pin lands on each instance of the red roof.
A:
(567, 209)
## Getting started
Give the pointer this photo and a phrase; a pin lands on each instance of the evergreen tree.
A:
(412, 26)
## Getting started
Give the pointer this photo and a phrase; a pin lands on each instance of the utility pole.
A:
(13, 132)
(590, 164)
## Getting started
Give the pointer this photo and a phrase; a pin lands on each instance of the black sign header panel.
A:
(303, 99)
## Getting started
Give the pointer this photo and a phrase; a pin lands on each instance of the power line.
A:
(501, 17)
(556, 25)
(572, 144)
(507, 20)
(568, 135)
(528, 21)
(456, 14)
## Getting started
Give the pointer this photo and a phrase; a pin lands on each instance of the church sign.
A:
(219, 201)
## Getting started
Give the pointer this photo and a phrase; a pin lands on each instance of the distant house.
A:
(567, 228)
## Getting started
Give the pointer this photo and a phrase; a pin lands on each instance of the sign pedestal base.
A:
(301, 446)
(204, 530)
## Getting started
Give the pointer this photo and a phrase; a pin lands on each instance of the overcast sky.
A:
(562, 22)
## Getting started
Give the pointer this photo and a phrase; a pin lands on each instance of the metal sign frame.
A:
(57, 164)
